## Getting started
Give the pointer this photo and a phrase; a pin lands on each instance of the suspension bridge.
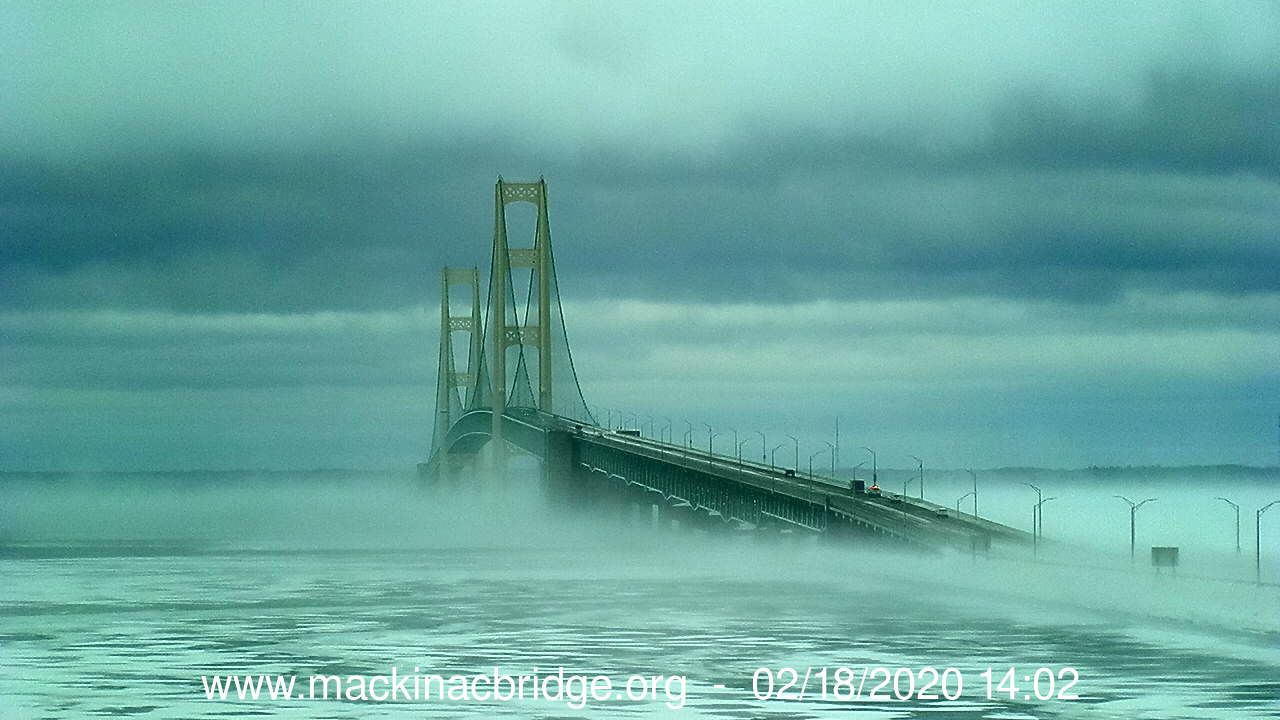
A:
(519, 389)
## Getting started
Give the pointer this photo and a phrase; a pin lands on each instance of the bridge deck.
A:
(908, 518)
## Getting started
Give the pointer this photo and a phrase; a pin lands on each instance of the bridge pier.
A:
(559, 457)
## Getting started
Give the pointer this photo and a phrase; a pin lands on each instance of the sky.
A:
(992, 234)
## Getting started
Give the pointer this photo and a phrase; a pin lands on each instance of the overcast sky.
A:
(986, 234)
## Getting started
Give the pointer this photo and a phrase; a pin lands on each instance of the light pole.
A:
(835, 454)
(853, 474)
(875, 480)
(1038, 515)
(744, 442)
(1133, 514)
(974, 475)
(650, 423)
(1257, 540)
(1041, 513)
(920, 463)
(812, 456)
(610, 413)
(905, 483)
(1035, 515)
(833, 458)
(1237, 509)
(666, 430)
(763, 444)
(796, 441)
(711, 438)
(689, 432)
(773, 455)
(962, 497)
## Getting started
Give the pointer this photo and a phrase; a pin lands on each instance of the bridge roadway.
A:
(747, 493)
(906, 518)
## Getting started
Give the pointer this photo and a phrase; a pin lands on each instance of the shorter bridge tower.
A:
(456, 390)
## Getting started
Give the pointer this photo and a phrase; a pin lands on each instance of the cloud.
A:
(111, 350)
(367, 229)
(1198, 120)
(303, 159)
(99, 77)
(994, 381)
(849, 205)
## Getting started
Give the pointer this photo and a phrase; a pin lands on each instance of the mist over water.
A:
(121, 590)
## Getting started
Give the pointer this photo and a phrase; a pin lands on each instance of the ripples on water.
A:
(126, 626)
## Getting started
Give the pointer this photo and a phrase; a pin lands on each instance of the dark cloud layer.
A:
(1198, 121)
(1177, 192)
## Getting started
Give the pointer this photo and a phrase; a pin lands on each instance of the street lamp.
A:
(666, 429)
(711, 438)
(920, 463)
(974, 475)
(796, 441)
(1038, 516)
(650, 423)
(1035, 514)
(735, 441)
(905, 483)
(853, 474)
(1133, 514)
(1257, 539)
(773, 455)
(744, 442)
(962, 497)
(1237, 509)
(811, 457)
(610, 413)
(874, 474)
(833, 458)
(835, 455)
(1041, 503)
(688, 433)
(763, 444)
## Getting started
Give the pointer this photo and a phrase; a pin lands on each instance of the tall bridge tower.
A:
(504, 328)
(514, 361)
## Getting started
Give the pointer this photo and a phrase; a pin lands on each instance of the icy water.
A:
(117, 594)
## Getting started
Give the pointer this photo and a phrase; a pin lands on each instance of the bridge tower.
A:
(504, 328)
(456, 390)
(515, 360)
